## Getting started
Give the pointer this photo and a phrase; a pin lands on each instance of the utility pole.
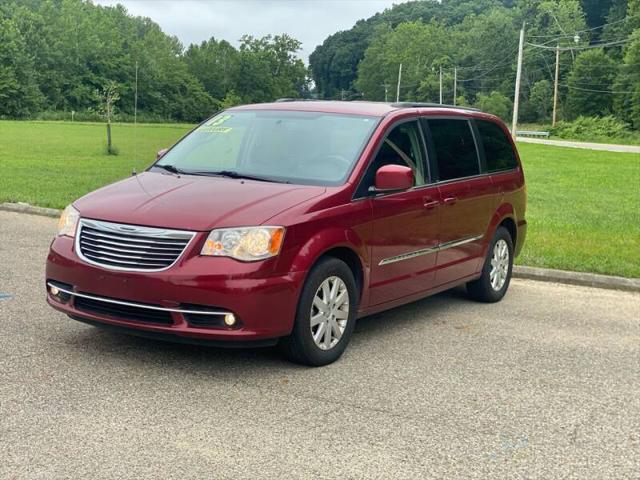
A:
(440, 84)
(135, 117)
(342, 94)
(135, 99)
(399, 80)
(555, 87)
(386, 92)
(516, 98)
(455, 84)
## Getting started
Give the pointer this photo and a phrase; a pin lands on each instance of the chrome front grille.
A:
(127, 247)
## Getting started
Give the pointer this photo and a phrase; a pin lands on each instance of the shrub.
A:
(88, 116)
(495, 103)
(592, 128)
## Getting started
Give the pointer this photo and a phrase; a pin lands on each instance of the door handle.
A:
(430, 203)
(450, 200)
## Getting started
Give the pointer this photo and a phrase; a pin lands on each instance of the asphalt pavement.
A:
(545, 384)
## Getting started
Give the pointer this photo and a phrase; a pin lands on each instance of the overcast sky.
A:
(310, 21)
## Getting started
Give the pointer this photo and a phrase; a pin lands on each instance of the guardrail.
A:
(531, 133)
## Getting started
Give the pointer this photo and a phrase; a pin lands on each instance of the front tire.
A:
(326, 315)
(496, 271)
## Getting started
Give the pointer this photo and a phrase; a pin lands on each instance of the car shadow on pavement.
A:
(425, 310)
(369, 329)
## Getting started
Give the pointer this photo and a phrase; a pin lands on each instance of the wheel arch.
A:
(510, 224)
(353, 261)
(503, 216)
(343, 244)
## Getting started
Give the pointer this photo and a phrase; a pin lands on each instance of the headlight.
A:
(245, 243)
(68, 222)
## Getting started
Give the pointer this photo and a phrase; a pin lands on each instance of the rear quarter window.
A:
(498, 152)
(454, 148)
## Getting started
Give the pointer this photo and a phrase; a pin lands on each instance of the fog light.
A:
(230, 319)
(58, 294)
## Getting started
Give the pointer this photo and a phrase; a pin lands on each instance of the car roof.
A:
(374, 109)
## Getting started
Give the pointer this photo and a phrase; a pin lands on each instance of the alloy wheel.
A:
(329, 313)
(499, 265)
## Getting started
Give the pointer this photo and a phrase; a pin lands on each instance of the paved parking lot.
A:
(543, 385)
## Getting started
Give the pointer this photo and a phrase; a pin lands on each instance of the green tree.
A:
(590, 84)
(596, 13)
(215, 64)
(230, 100)
(414, 45)
(270, 69)
(19, 93)
(334, 64)
(627, 84)
(617, 25)
(495, 103)
(106, 107)
(552, 22)
(78, 47)
(485, 52)
(541, 100)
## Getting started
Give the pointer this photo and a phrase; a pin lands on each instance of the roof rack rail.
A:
(430, 105)
(281, 100)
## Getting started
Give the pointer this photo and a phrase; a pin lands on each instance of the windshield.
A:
(296, 147)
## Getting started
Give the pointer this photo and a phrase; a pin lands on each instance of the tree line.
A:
(56, 54)
(475, 44)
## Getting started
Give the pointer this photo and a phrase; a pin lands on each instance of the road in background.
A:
(606, 147)
(542, 385)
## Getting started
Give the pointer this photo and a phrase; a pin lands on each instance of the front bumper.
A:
(264, 304)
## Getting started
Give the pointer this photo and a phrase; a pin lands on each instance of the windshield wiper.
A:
(221, 173)
(234, 174)
(170, 168)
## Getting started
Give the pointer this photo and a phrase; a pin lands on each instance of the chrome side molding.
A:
(426, 251)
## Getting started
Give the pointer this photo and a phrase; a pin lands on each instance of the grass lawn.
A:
(583, 209)
(52, 163)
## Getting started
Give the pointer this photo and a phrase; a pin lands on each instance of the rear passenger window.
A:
(498, 151)
(455, 150)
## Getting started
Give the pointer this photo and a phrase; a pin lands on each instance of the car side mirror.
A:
(161, 153)
(393, 178)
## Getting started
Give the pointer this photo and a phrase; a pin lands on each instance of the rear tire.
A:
(496, 271)
(326, 315)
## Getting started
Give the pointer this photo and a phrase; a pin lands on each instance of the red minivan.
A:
(285, 222)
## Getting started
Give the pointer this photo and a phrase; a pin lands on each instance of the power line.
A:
(509, 62)
(528, 70)
(618, 65)
(613, 92)
(595, 45)
(477, 66)
(583, 31)
(591, 84)
(548, 67)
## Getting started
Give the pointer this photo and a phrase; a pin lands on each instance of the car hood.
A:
(190, 202)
